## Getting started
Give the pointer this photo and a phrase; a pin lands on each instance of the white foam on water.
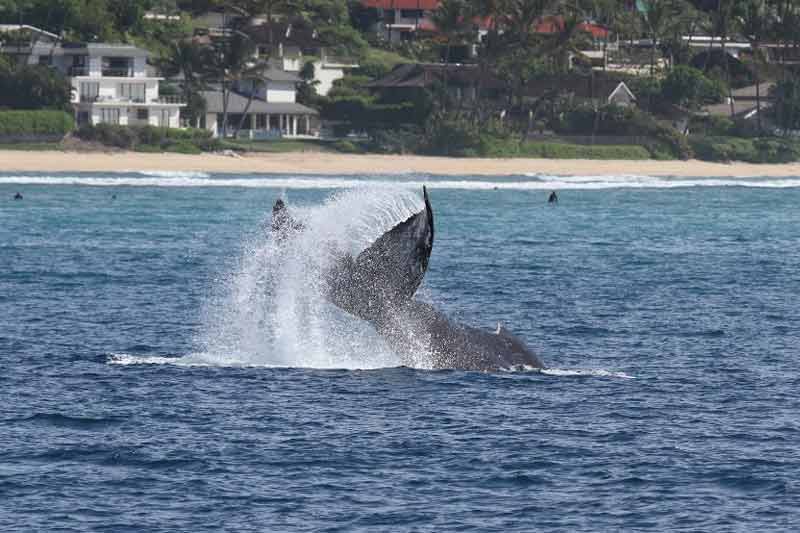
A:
(532, 182)
(170, 173)
(581, 372)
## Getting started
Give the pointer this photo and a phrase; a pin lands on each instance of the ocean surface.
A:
(164, 368)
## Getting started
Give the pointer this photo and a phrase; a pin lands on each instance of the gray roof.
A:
(274, 74)
(237, 104)
(116, 50)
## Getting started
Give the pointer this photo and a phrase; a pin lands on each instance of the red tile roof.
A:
(556, 24)
(428, 5)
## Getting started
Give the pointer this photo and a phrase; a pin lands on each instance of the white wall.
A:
(280, 91)
(326, 76)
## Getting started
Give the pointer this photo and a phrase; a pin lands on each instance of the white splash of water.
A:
(600, 373)
(271, 310)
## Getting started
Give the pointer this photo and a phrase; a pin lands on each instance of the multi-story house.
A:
(293, 45)
(111, 83)
(401, 20)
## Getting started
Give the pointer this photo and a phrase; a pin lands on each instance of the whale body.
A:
(379, 285)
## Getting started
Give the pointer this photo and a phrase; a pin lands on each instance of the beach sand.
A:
(317, 163)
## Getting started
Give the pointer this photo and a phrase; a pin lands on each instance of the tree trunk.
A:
(225, 98)
(246, 110)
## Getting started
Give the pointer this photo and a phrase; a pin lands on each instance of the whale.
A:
(380, 284)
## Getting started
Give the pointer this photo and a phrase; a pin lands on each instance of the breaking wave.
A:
(409, 181)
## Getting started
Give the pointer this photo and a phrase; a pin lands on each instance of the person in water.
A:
(18, 196)
(553, 198)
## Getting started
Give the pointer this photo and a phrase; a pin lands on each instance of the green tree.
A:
(786, 111)
(307, 88)
(33, 87)
(453, 20)
(688, 87)
(753, 22)
(658, 17)
(188, 59)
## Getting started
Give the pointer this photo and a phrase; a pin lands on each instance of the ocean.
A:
(164, 367)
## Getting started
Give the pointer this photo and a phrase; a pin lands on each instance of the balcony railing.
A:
(78, 71)
(170, 100)
(131, 100)
(339, 60)
(117, 72)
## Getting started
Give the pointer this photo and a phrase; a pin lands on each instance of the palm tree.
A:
(453, 20)
(658, 17)
(753, 23)
(188, 59)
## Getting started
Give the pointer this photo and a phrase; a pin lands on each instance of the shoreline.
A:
(347, 164)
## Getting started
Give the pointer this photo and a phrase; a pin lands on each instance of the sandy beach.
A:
(318, 163)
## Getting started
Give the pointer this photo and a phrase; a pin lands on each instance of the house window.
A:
(142, 114)
(83, 117)
(44, 61)
(89, 91)
(163, 118)
(109, 116)
(117, 66)
(132, 91)
(411, 13)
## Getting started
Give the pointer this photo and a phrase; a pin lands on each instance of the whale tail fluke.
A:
(387, 273)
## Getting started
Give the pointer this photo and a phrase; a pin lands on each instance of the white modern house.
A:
(111, 83)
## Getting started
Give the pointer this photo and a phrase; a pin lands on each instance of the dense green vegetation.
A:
(32, 87)
(150, 138)
(18, 124)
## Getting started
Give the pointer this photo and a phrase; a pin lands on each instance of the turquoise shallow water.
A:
(146, 383)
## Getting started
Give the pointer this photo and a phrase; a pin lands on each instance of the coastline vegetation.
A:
(502, 42)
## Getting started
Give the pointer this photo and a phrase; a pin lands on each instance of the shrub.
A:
(764, 150)
(400, 140)
(577, 151)
(346, 147)
(150, 137)
(662, 140)
(32, 123)
(452, 136)
(777, 150)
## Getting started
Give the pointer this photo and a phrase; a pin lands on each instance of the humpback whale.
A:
(379, 286)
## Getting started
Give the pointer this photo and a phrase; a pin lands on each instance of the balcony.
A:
(78, 71)
(102, 99)
(338, 61)
(179, 100)
(117, 73)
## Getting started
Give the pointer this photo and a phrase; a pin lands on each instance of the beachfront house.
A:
(465, 84)
(595, 89)
(288, 45)
(265, 107)
(111, 83)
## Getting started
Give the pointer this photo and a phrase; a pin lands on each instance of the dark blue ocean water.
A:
(667, 309)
